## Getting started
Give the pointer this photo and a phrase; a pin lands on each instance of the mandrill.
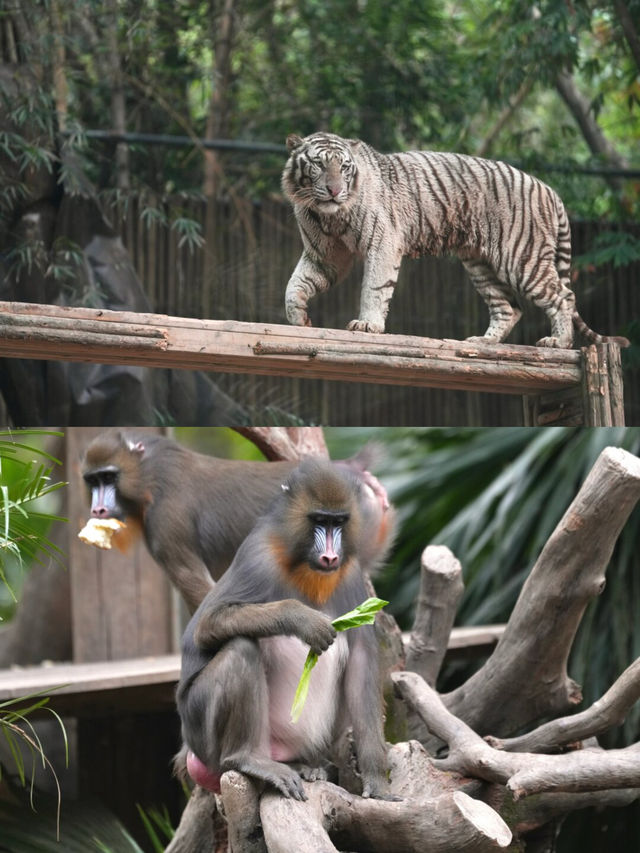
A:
(243, 651)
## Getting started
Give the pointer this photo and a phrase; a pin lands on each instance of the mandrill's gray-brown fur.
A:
(243, 651)
(194, 510)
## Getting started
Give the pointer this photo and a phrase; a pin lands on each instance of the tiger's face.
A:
(320, 173)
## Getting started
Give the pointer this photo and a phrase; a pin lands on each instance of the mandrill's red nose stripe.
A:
(329, 557)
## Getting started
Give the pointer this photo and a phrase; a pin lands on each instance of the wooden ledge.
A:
(51, 332)
(148, 684)
(140, 684)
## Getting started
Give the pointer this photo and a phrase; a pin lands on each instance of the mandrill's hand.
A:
(315, 629)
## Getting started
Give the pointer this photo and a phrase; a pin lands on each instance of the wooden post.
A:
(598, 401)
(602, 388)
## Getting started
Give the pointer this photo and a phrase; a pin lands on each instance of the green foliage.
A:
(24, 480)
(611, 247)
(85, 828)
(21, 736)
(157, 821)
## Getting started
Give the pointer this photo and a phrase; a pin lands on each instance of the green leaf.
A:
(303, 686)
(364, 614)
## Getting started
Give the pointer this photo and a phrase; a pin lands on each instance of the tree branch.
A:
(241, 799)
(451, 821)
(580, 109)
(523, 773)
(196, 830)
(629, 29)
(287, 443)
(505, 117)
(525, 678)
(609, 711)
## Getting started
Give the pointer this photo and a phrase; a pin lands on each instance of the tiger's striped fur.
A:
(510, 231)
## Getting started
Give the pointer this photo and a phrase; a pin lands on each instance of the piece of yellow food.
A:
(99, 531)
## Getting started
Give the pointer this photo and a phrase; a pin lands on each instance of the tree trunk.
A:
(223, 15)
(629, 29)
(580, 109)
(118, 101)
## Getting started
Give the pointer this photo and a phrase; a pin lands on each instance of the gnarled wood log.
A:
(480, 794)
(505, 694)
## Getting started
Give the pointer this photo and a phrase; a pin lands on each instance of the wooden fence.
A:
(249, 264)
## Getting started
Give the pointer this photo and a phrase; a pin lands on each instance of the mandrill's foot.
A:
(282, 777)
(365, 326)
(311, 774)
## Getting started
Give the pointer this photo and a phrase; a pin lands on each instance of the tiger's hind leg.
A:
(547, 291)
(503, 313)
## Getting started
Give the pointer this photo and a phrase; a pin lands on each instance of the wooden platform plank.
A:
(96, 689)
(73, 678)
(37, 331)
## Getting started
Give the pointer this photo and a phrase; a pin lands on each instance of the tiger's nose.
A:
(334, 190)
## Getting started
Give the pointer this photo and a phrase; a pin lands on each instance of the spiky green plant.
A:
(25, 480)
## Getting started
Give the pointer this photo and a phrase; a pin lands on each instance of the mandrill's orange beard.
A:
(315, 585)
(128, 535)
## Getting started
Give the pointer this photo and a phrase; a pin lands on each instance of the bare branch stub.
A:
(441, 588)
(241, 799)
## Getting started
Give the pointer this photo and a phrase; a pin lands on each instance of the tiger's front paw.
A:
(365, 326)
(297, 316)
(481, 339)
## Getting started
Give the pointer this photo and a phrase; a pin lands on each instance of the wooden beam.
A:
(52, 332)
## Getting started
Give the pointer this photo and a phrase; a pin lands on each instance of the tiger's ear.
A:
(293, 141)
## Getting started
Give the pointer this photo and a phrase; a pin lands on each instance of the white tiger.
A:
(510, 231)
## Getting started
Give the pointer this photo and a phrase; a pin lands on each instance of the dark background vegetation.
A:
(552, 87)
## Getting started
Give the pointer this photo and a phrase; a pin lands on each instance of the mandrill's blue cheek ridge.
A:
(319, 538)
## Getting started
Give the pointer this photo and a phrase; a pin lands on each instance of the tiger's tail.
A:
(593, 337)
(563, 265)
